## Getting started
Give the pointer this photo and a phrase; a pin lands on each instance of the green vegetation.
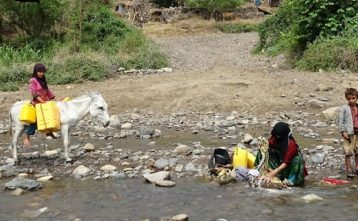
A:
(210, 7)
(314, 34)
(77, 40)
(237, 27)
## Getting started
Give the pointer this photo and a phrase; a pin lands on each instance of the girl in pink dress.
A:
(40, 94)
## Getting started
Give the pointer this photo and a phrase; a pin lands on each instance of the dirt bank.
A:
(212, 72)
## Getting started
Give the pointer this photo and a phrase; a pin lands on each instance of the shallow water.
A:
(132, 199)
(68, 199)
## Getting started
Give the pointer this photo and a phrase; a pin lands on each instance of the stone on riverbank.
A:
(331, 113)
(108, 168)
(311, 197)
(180, 217)
(164, 183)
(153, 177)
(81, 171)
(23, 183)
(183, 149)
(88, 147)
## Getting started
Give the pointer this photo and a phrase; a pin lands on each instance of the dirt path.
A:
(212, 72)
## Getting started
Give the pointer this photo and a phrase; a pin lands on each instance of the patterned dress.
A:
(295, 170)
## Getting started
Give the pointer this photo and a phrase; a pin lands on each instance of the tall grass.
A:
(237, 27)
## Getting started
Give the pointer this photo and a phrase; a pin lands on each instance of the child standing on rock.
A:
(348, 126)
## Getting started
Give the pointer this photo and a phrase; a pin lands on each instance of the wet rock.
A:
(146, 131)
(157, 133)
(115, 121)
(108, 168)
(183, 149)
(126, 126)
(18, 192)
(190, 167)
(331, 113)
(318, 158)
(88, 147)
(117, 175)
(45, 178)
(23, 183)
(311, 197)
(8, 170)
(179, 168)
(180, 217)
(161, 163)
(164, 183)
(162, 175)
(173, 161)
(81, 171)
(248, 138)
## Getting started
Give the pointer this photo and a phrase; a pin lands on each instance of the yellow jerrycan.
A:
(239, 158)
(28, 113)
(243, 158)
(48, 117)
(250, 160)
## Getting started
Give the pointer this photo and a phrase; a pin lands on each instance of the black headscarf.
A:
(40, 68)
(282, 133)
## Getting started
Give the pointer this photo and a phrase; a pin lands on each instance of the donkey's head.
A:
(99, 108)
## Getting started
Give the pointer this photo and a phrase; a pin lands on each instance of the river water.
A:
(68, 198)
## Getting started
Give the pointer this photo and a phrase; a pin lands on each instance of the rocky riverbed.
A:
(176, 148)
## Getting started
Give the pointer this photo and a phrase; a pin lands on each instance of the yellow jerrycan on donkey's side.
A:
(28, 113)
(242, 158)
(48, 117)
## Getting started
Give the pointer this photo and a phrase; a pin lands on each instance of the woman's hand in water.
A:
(269, 177)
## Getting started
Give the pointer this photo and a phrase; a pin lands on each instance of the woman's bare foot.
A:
(27, 142)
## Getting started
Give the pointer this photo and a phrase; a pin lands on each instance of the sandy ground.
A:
(211, 72)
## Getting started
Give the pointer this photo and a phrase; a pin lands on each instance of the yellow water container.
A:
(48, 117)
(250, 160)
(239, 158)
(28, 113)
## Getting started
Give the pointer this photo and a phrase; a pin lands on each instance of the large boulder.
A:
(331, 113)
(23, 183)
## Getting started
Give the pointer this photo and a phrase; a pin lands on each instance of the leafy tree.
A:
(31, 18)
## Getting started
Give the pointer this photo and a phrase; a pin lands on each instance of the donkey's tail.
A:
(10, 124)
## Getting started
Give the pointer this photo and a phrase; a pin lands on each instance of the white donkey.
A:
(71, 112)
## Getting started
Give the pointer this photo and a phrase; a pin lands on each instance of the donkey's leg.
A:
(18, 131)
(66, 140)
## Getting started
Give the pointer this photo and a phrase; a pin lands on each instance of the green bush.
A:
(96, 43)
(100, 23)
(212, 6)
(77, 69)
(237, 27)
(340, 52)
(149, 57)
(302, 24)
(12, 76)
